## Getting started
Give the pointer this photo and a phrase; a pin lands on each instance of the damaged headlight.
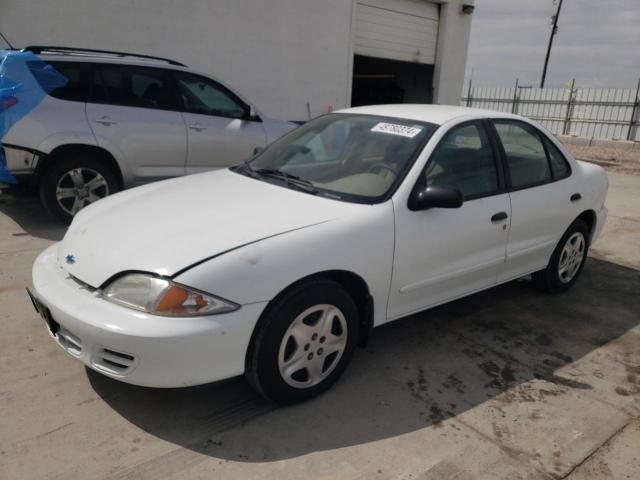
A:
(160, 296)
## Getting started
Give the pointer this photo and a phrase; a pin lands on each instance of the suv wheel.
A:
(303, 343)
(69, 185)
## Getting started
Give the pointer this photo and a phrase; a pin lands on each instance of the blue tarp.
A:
(25, 81)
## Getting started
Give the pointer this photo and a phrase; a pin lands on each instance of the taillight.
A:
(7, 102)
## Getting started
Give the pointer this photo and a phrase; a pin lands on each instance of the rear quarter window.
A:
(559, 165)
(76, 88)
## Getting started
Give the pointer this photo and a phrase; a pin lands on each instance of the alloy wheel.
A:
(80, 187)
(571, 257)
(312, 346)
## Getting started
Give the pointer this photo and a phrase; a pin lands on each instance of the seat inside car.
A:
(464, 168)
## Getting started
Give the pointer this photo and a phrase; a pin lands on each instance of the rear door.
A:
(133, 114)
(220, 130)
(541, 188)
(60, 114)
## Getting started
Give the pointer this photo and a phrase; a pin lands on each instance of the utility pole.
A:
(554, 30)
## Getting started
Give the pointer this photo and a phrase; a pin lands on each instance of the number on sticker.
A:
(395, 129)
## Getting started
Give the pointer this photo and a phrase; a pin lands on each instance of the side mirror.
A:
(435, 196)
(252, 114)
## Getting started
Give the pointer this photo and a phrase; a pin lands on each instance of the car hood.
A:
(168, 226)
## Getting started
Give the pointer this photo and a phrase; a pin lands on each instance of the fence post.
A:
(469, 93)
(514, 103)
(633, 123)
(567, 118)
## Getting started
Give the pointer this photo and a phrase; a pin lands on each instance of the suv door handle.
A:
(499, 217)
(105, 120)
(198, 127)
(575, 197)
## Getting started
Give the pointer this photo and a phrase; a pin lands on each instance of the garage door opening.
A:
(379, 80)
(395, 51)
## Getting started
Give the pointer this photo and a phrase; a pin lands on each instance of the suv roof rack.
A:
(38, 49)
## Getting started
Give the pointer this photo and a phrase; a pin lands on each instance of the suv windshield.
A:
(357, 158)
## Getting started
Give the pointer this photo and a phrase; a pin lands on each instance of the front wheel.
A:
(567, 260)
(71, 184)
(303, 343)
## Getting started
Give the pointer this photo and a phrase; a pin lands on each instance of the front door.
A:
(220, 131)
(442, 254)
(132, 112)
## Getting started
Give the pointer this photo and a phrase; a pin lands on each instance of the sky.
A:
(598, 43)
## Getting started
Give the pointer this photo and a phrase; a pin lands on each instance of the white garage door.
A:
(397, 29)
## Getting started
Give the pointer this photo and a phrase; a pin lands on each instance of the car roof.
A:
(437, 114)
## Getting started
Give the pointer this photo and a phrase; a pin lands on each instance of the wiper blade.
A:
(290, 180)
(246, 168)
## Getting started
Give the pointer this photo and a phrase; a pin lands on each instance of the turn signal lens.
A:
(174, 297)
(161, 296)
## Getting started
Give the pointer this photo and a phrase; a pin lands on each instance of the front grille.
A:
(113, 362)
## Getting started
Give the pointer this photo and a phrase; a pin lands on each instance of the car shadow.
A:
(24, 208)
(416, 372)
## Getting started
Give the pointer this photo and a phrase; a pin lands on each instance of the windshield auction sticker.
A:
(395, 129)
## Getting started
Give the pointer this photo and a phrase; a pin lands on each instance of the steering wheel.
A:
(377, 167)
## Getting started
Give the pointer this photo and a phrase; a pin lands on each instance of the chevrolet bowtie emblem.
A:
(70, 259)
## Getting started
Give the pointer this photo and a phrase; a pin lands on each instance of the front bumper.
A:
(135, 347)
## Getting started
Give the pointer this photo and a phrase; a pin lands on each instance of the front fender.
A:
(362, 244)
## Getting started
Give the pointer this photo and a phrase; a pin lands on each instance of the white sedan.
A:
(279, 267)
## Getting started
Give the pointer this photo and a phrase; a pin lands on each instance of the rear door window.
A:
(526, 156)
(77, 77)
(132, 86)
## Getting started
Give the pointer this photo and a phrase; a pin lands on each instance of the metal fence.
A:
(610, 113)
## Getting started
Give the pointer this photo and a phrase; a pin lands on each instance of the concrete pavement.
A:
(506, 384)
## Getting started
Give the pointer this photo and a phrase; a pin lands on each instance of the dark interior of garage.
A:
(378, 81)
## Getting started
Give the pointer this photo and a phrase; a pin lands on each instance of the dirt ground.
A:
(613, 159)
(507, 384)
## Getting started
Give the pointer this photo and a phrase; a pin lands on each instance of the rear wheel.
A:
(71, 184)
(567, 260)
(303, 343)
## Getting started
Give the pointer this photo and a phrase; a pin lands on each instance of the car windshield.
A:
(357, 158)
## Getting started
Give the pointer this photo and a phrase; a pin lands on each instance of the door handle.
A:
(499, 217)
(575, 197)
(106, 121)
(198, 127)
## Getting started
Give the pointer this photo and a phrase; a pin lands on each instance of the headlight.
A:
(160, 296)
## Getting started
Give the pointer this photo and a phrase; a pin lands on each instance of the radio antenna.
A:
(7, 41)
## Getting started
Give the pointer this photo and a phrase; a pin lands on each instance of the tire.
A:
(559, 276)
(70, 180)
(285, 370)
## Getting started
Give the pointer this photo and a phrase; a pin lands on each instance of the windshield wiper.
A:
(250, 171)
(291, 180)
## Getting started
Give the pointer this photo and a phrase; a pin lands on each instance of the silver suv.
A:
(122, 120)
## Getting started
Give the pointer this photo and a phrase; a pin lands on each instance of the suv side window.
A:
(132, 86)
(464, 159)
(76, 87)
(527, 160)
(204, 96)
